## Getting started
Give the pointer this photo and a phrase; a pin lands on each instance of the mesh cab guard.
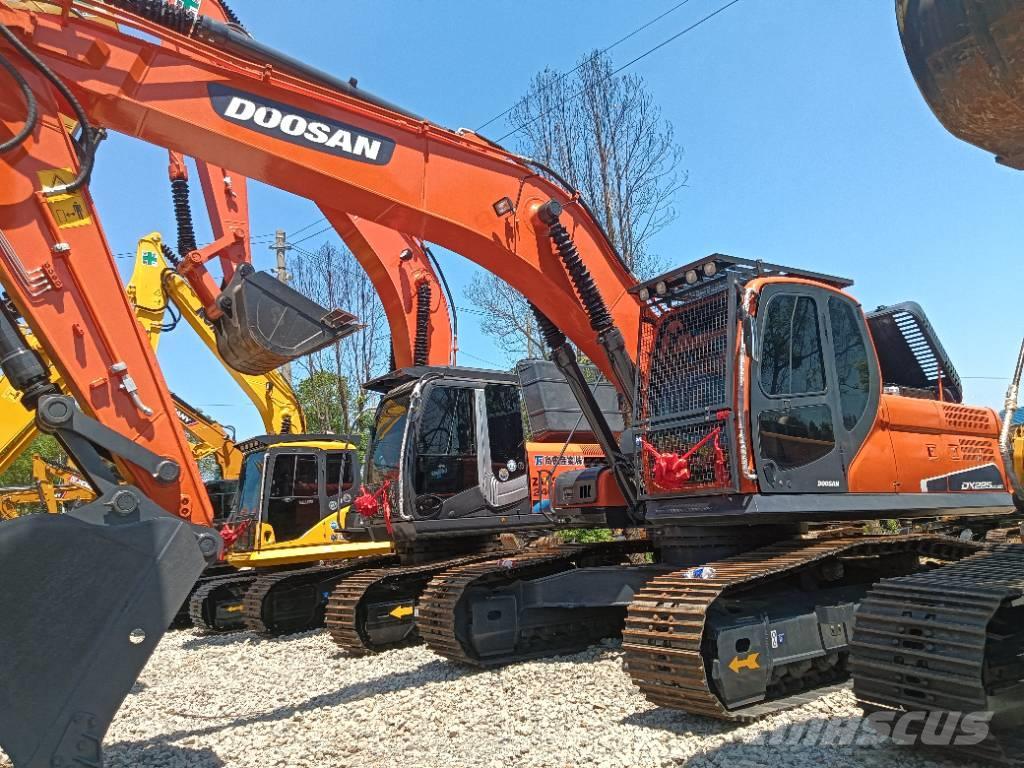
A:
(267, 324)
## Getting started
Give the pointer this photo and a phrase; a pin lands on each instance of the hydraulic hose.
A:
(451, 301)
(552, 334)
(582, 280)
(31, 108)
(183, 217)
(608, 334)
(230, 38)
(87, 148)
(421, 350)
(170, 256)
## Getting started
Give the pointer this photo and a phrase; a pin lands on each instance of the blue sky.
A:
(806, 142)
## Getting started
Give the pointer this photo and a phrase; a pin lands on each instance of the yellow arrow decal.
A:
(401, 611)
(233, 608)
(748, 662)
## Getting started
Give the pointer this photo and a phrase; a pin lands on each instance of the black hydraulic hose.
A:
(231, 15)
(552, 334)
(183, 217)
(579, 199)
(421, 349)
(582, 280)
(230, 38)
(169, 255)
(448, 293)
(87, 150)
(31, 108)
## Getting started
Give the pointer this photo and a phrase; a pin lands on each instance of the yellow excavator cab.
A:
(294, 494)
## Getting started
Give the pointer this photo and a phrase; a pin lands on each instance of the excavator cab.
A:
(293, 494)
(450, 453)
(267, 324)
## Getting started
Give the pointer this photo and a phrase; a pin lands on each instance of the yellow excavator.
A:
(305, 481)
(155, 288)
(53, 487)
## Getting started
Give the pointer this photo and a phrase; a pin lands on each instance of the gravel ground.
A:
(239, 700)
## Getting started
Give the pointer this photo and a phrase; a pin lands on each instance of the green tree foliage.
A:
(20, 472)
(323, 395)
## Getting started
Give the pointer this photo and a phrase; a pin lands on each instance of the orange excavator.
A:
(760, 398)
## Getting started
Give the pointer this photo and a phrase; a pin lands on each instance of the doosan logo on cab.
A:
(300, 127)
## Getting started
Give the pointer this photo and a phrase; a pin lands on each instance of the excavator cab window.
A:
(505, 435)
(385, 454)
(340, 473)
(851, 359)
(293, 504)
(446, 449)
(813, 390)
(249, 499)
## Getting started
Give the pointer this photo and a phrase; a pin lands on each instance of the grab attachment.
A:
(267, 324)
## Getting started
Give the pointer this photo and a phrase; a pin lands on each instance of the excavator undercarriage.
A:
(750, 401)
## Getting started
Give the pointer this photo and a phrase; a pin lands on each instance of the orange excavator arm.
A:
(409, 288)
(320, 138)
(59, 273)
(202, 88)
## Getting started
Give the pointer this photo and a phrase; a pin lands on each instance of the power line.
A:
(491, 363)
(303, 229)
(307, 237)
(636, 31)
(629, 63)
(256, 240)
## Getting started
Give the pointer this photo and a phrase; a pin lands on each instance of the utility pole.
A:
(281, 247)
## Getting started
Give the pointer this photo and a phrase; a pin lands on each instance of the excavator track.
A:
(373, 610)
(183, 618)
(444, 612)
(216, 604)
(668, 642)
(293, 601)
(949, 641)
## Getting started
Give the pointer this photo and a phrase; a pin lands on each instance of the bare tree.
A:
(604, 133)
(331, 389)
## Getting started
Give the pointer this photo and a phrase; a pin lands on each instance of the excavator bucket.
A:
(267, 324)
(83, 606)
(968, 60)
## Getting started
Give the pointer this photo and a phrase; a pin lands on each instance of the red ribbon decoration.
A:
(672, 470)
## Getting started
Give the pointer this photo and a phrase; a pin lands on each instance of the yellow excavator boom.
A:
(17, 425)
(153, 282)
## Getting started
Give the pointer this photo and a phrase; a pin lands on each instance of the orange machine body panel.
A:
(916, 441)
(546, 461)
